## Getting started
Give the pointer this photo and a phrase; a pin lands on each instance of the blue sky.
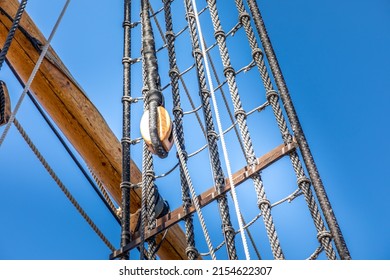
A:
(335, 60)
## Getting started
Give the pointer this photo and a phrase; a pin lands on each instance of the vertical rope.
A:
(126, 142)
(191, 250)
(193, 194)
(222, 137)
(300, 137)
(148, 176)
(11, 33)
(219, 177)
(240, 115)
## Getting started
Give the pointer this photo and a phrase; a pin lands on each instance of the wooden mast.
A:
(77, 117)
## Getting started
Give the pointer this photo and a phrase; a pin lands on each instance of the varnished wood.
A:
(211, 194)
(164, 129)
(77, 117)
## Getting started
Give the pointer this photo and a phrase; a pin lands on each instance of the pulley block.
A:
(5, 104)
(164, 129)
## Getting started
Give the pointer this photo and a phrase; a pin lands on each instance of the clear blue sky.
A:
(335, 59)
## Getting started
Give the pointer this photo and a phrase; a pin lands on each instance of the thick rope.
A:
(299, 134)
(219, 178)
(34, 72)
(126, 144)
(225, 153)
(11, 33)
(148, 177)
(272, 96)
(195, 199)
(191, 250)
(61, 185)
(240, 115)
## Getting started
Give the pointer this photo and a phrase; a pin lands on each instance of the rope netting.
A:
(191, 59)
(207, 68)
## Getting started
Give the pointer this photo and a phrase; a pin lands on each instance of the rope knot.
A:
(174, 73)
(227, 229)
(190, 15)
(178, 111)
(192, 250)
(324, 234)
(257, 52)
(185, 155)
(243, 16)
(302, 180)
(240, 112)
(170, 34)
(229, 70)
(212, 135)
(206, 93)
(126, 23)
(197, 52)
(150, 173)
(262, 202)
(126, 59)
(271, 94)
(219, 34)
(125, 185)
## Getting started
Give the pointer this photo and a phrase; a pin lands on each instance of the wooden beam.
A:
(211, 194)
(76, 116)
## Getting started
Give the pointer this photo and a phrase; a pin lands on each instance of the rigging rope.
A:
(263, 202)
(272, 96)
(226, 157)
(61, 185)
(191, 250)
(299, 134)
(34, 72)
(218, 176)
(193, 194)
(148, 189)
(12, 31)
(126, 140)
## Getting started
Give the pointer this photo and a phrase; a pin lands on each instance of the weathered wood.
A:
(211, 194)
(76, 116)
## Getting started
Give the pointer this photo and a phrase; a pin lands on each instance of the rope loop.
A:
(229, 70)
(185, 155)
(242, 16)
(150, 173)
(219, 33)
(324, 234)
(206, 93)
(257, 52)
(170, 34)
(189, 15)
(271, 93)
(178, 111)
(197, 52)
(262, 202)
(240, 112)
(212, 135)
(174, 72)
(126, 23)
(191, 249)
(302, 180)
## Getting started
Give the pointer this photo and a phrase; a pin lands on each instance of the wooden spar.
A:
(77, 117)
(211, 194)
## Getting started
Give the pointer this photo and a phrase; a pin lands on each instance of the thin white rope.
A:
(193, 194)
(225, 153)
(33, 73)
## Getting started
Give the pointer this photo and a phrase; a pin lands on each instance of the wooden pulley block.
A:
(164, 129)
(5, 104)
